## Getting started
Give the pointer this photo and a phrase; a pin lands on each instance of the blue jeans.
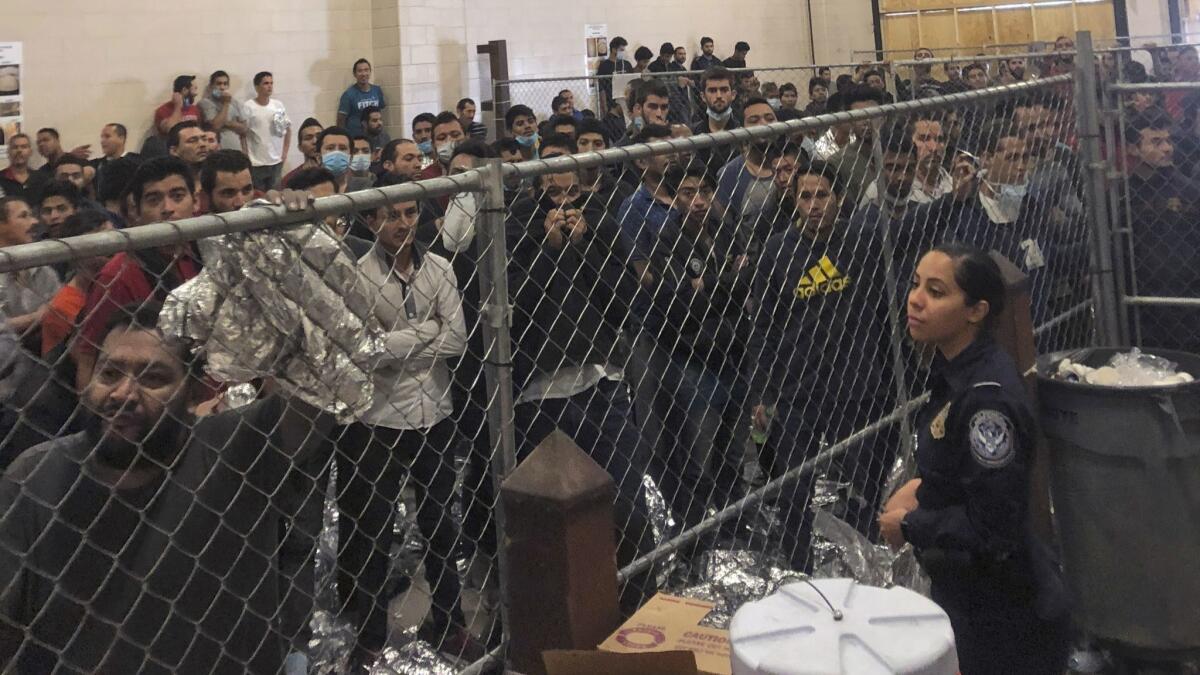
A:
(600, 420)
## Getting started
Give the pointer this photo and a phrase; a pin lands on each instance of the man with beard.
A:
(716, 89)
(144, 543)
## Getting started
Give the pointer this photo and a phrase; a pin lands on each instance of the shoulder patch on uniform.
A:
(992, 443)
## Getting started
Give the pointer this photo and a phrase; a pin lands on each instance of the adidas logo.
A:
(823, 278)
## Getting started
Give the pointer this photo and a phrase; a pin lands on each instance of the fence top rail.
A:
(689, 73)
(1153, 86)
(539, 167)
(155, 235)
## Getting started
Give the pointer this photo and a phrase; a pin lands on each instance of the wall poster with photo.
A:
(11, 84)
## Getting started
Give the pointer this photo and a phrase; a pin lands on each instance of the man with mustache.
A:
(145, 542)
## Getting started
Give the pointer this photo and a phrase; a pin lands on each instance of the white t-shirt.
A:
(268, 123)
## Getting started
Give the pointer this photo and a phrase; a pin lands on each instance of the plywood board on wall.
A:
(900, 32)
(1097, 18)
(938, 29)
(1055, 20)
(1015, 25)
(897, 5)
(976, 28)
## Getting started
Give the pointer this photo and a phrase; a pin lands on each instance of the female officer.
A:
(966, 513)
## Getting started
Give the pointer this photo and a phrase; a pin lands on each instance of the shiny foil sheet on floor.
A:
(286, 303)
(333, 638)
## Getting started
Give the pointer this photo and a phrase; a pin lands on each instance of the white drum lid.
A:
(891, 631)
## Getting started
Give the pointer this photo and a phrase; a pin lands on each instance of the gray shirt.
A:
(210, 108)
(177, 576)
(24, 291)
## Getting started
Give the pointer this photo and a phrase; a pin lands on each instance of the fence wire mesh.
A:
(295, 460)
(1156, 156)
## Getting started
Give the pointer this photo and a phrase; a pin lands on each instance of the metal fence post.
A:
(1087, 99)
(496, 317)
(897, 332)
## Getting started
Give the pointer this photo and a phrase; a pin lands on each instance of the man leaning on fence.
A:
(571, 290)
(144, 543)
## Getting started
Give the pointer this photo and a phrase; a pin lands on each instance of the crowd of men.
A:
(664, 310)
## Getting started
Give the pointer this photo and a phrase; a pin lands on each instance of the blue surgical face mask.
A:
(638, 123)
(216, 94)
(426, 147)
(528, 141)
(360, 163)
(720, 116)
(336, 161)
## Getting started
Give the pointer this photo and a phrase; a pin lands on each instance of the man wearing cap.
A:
(180, 108)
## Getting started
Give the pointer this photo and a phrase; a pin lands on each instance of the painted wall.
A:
(90, 63)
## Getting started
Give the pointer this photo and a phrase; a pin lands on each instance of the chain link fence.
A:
(294, 462)
(609, 99)
(1155, 155)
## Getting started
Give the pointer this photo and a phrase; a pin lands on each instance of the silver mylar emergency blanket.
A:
(285, 303)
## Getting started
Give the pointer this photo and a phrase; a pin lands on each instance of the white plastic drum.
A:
(891, 631)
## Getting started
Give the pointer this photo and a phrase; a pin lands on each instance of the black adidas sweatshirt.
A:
(820, 330)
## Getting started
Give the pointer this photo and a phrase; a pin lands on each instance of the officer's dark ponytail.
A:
(978, 276)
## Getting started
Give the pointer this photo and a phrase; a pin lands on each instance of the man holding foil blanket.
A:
(146, 542)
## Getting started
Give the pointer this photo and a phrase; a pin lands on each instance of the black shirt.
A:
(608, 67)
(175, 577)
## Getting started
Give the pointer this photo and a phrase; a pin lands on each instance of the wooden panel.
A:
(1015, 24)
(897, 5)
(937, 29)
(1053, 21)
(976, 28)
(900, 32)
(1098, 18)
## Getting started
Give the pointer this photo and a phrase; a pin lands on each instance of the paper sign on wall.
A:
(11, 80)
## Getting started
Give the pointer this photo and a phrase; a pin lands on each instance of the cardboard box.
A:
(668, 623)
(608, 663)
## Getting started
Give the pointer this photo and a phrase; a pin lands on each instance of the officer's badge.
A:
(1174, 204)
(696, 266)
(937, 428)
(992, 442)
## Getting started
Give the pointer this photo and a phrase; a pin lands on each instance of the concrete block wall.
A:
(89, 63)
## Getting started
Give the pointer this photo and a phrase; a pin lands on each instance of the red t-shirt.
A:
(59, 319)
(122, 282)
(190, 112)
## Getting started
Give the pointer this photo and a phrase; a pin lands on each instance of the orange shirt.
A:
(59, 320)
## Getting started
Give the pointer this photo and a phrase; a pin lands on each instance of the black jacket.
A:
(569, 304)
(710, 324)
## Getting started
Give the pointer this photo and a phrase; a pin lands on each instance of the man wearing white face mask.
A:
(716, 88)
(360, 174)
(1003, 217)
(613, 65)
(447, 134)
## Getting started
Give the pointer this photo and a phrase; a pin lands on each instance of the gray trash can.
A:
(1125, 482)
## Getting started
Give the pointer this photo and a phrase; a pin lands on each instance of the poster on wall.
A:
(11, 79)
(595, 36)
